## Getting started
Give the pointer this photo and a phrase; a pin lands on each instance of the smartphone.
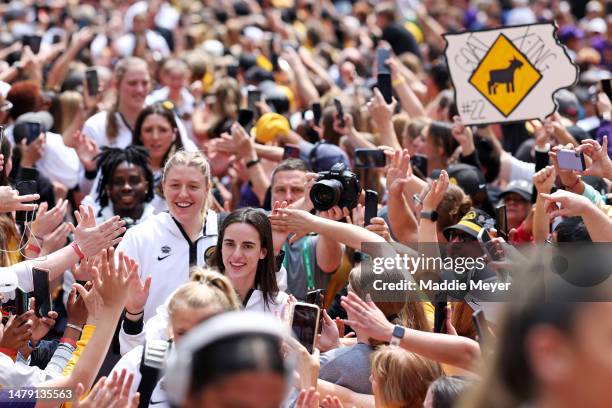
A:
(485, 240)
(34, 43)
(24, 188)
(502, 220)
(91, 77)
(371, 207)
(317, 297)
(419, 162)
(57, 38)
(440, 313)
(22, 301)
(382, 55)
(384, 86)
(606, 87)
(34, 130)
(571, 160)
(339, 111)
(253, 96)
(42, 294)
(369, 158)
(291, 152)
(305, 324)
(481, 325)
(245, 116)
(317, 112)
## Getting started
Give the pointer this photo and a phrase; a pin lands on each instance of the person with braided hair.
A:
(125, 187)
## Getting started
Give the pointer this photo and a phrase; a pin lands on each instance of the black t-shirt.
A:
(400, 39)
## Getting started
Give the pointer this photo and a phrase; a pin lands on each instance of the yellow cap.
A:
(270, 126)
(415, 30)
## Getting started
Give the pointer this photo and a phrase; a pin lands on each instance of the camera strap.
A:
(310, 284)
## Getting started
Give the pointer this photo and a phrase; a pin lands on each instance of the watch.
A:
(430, 215)
(251, 163)
(397, 335)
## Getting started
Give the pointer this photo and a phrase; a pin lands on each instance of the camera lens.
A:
(325, 194)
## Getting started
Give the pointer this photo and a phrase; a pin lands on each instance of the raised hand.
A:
(563, 203)
(463, 135)
(399, 172)
(92, 238)
(111, 278)
(17, 331)
(48, 220)
(296, 221)
(330, 335)
(76, 308)
(544, 180)
(308, 398)
(601, 165)
(367, 317)
(10, 200)
(139, 293)
(436, 192)
(380, 227)
(40, 326)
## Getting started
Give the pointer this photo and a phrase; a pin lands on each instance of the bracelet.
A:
(68, 340)
(251, 163)
(134, 314)
(33, 248)
(78, 251)
(75, 327)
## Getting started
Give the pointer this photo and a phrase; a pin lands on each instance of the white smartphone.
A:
(571, 160)
(305, 324)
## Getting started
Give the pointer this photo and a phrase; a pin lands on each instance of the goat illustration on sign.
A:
(508, 74)
(503, 76)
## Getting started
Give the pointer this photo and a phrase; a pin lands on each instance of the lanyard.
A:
(307, 262)
(125, 122)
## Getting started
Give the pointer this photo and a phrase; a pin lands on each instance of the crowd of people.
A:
(179, 178)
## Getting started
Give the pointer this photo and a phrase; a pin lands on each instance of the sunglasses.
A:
(459, 236)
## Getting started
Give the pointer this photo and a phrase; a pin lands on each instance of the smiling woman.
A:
(169, 243)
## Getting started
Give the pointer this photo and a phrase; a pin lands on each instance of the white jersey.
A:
(163, 251)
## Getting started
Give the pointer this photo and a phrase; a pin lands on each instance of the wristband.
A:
(75, 327)
(134, 314)
(32, 247)
(251, 163)
(70, 341)
(78, 251)
(9, 352)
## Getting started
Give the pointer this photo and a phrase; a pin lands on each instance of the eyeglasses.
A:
(458, 236)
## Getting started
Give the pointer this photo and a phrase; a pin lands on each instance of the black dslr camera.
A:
(337, 186)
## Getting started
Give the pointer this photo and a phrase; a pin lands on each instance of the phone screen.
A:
(382, 55)
(316, 111)
(21, 301)
(42, 294)
(370, 158)
(245, 116)
(339, 111)
(571, 160)
(25, 188)
(384, 86)
(371, 207)
(34, 43)
(606, 87)
(34, 130)
(291, 152)
(440, 313)
(253, 97)
(419, 162)
(91, 77)
(305, 323)
(502, 219)
(480, 323)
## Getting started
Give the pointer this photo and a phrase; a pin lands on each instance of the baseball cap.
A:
(43, 117)
(567, 102)
(469, 178)
(472, 223)
(322, 156)
(270, 126)
(8, 280)
(521, 187)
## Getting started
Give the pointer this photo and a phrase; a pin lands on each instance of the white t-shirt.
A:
(161, 250)
(126, 43)
(17, 374)
(59, 162)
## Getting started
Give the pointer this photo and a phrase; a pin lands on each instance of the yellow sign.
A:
(505, 76)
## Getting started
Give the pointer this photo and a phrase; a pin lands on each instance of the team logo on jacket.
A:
(209, 255)
(166, 251)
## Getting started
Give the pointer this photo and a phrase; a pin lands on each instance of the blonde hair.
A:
(123, 66)
(403, 377)
(409, 314)
(190, 159)
(227, 91)
(70, 105)
(206, 289)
